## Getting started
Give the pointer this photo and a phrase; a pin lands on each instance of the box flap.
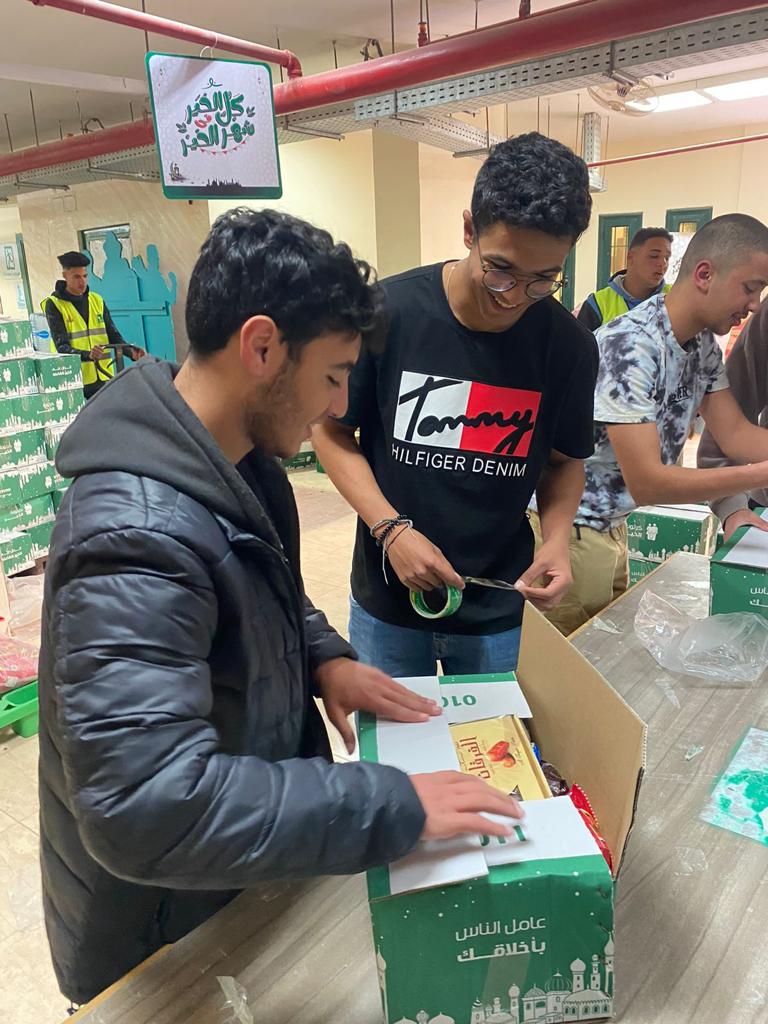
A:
(583, 727)
(693, 513)
(748, 547)
(472, 698)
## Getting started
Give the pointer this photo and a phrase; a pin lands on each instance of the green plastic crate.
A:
(20, 709)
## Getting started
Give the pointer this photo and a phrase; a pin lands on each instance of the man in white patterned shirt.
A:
(659, 365)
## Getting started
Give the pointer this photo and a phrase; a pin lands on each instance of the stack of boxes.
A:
(40, 394)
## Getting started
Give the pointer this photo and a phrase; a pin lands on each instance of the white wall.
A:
(331, 185)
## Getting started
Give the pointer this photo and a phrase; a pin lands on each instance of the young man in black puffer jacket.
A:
(182, 757)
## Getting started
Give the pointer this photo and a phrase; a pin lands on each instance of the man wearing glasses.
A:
(482, 397)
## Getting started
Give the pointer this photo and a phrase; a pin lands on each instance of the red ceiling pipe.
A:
(177, 30)
(79, 147)
(680, 149)
(554, 31)
(584, 23)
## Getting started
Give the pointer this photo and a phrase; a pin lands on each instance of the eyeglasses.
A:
(496, 280)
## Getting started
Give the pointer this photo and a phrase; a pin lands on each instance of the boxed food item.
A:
(58, 494)
(656, 532)
(40, 538)
(15, 552)
(481, 930)
(26, 482)
(18, 377)
(498, 750)
(31, 513)
(22, 449)
(738, 572)
(61, 406)
(15, 337)
(53, 436)
(56, 372)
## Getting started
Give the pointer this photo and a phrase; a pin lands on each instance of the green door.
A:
(688, 222)
(615, 233)
(567, 292)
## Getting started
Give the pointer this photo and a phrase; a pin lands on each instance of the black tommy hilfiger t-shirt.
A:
(457, 426)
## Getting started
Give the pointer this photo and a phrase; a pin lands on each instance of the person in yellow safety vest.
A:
(81, 325)
(647, 261)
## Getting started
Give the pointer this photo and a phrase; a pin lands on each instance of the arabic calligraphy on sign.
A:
(216, 121)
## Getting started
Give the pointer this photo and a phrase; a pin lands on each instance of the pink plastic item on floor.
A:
(18, 663)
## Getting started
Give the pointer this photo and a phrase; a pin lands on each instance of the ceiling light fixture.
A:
(747, 90)
(676, 101)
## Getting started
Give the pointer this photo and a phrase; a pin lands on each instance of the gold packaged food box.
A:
(499, 751)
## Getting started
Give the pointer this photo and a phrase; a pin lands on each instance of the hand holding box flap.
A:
(751, 548)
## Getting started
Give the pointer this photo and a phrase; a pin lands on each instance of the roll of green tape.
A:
(452, 604)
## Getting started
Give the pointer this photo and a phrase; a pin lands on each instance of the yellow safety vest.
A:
(613, 305)
(83, 337)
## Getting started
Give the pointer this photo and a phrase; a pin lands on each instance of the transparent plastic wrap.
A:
(728, 648)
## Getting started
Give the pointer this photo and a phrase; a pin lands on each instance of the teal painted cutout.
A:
(739, 801)
(138, 297)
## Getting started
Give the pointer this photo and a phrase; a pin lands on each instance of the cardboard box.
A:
(18, 377)
(22, 449)
(15, 338)
(32, 513)
(15, 552)
(58, 496)
(53, 436)
(658, 531)
(40, 539)
(639, 569)
(738, 573)
(56, 372)
(26, 482)
(58, 407)
(478, 932)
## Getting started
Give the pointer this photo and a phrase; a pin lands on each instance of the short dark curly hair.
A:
(267, 263)
(533, 182)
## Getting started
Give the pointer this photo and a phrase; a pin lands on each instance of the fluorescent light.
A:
(748, 90)
(681, 101)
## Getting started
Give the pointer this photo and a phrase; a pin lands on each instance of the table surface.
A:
(692, 900)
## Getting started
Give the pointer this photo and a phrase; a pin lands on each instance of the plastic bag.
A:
(728, 648)
(18, 663)
(26, 599)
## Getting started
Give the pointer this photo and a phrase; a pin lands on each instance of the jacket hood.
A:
(140, 424)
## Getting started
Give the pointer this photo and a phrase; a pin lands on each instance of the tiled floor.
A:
(28, 990)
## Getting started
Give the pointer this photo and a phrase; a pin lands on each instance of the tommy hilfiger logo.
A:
(448, 413)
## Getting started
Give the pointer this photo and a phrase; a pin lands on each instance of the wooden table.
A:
(692, 899)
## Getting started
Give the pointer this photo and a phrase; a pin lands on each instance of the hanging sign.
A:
(214, 127)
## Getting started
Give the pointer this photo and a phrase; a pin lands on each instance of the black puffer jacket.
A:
(177, 728)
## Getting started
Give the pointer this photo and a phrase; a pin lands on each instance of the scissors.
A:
(454, 597)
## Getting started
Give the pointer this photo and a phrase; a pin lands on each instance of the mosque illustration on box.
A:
(560, 1001)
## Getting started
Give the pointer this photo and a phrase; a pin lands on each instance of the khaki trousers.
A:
(600, 573)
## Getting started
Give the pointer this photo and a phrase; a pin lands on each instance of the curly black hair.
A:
(533, 182)
(264, 262)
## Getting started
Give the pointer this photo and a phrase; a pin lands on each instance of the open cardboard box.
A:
(738, 573)
(472, 931)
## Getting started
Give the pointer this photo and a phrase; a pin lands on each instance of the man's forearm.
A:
(348, 468)
(748, 444)
(673, 484)
(558, 495)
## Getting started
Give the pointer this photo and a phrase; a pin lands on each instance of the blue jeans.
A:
(414, 652)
